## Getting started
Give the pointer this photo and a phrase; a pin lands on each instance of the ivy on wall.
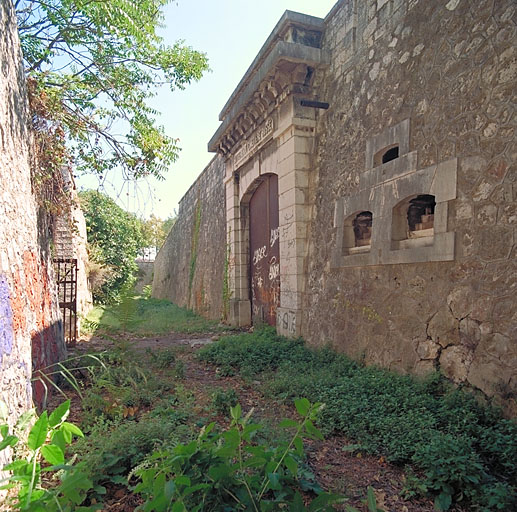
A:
(193, 252)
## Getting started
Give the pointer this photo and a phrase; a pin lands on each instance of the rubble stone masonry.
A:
(448, 71)
(391, 127)
(30, 322)
(189, 269)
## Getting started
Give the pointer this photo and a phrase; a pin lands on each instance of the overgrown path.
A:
(338, 465)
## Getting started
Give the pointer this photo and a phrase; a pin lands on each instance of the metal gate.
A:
(265, 251)
(66, 272)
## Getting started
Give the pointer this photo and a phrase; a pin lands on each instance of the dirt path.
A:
(337, 470)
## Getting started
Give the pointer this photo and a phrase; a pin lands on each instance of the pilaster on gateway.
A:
(267, 130)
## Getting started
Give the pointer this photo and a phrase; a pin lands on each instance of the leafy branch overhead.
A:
(96, 65)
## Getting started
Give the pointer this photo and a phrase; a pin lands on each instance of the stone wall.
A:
(144, 275)
(445, 70)
(30, 323)
(70, 241)
(384, 105)
(189, 269)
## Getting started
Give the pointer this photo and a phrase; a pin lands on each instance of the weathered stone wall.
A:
(30, 322)
(144, 276)
(429, 83)
(70, 241)
(189, 269)
(448, 70)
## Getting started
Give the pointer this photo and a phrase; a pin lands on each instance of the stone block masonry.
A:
(390, 126)
(30, 322)
(436, 79)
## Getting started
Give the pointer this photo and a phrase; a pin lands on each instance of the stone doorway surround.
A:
(265, 129)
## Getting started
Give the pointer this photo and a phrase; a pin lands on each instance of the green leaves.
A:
(26, 472)
(302, 406)
(53, 454)
(114, 238)
(38, 433)
(59, 414)
(227, 471)
(95, 65)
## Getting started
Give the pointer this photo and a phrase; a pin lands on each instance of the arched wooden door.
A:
(265, 251)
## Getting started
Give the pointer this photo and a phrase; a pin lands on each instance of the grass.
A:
(461, 450)
(147, 317)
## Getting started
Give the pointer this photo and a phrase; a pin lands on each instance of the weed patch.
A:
(228, 471)
(223, 400)
(147, 317)
(114, 447)
(465, 452)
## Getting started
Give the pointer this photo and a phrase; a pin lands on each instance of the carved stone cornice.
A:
(285, 65)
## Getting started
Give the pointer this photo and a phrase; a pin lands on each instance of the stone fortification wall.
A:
(189, 269)
(70, 241)
(30, 322)
(434, 78)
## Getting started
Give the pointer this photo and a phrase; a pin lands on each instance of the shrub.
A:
(227, 471)
(113, 448)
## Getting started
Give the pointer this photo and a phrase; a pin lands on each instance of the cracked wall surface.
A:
(450, 69)
(30, 322)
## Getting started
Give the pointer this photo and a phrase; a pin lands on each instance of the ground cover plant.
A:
(156, 448)
(148, 317)
(459, 450)
(228, 471)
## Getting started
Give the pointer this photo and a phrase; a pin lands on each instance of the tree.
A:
(168, 224)
(153, 233)
(114, 237)
(92, 66)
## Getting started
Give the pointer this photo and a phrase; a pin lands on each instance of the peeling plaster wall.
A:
(189, 269)
(30, 322)
(450, 69)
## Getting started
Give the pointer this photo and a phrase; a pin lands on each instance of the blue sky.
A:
(230, 32)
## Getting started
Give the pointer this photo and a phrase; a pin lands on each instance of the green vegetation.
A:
(141, 432)
(155, 230)
(223, 400)
(193, 249)
(460, 450)
(228, 471)
(92, 68)
(114, 237)
(47, 439)
(150, 317)
(146, 430)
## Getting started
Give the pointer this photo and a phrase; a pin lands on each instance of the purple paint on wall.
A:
(6, 319)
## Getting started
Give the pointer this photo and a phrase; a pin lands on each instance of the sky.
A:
(231, 33)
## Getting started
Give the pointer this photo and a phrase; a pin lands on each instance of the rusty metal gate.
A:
(265, 251)
(66, 273)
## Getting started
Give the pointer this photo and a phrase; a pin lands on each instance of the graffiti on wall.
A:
(287, 322)
(27, 308)
(6, 319)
